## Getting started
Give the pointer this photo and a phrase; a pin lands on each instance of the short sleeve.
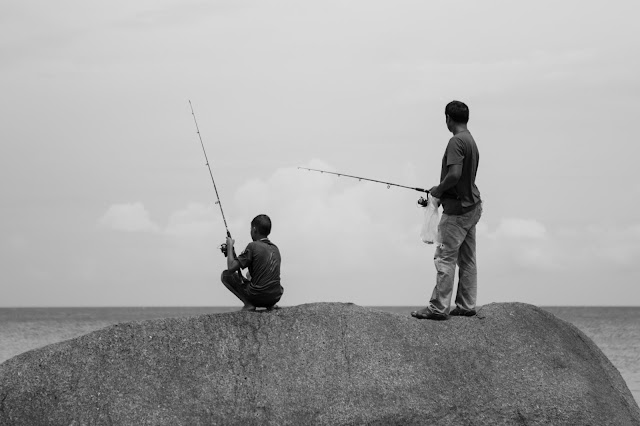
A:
(245, 257)
(455, 152)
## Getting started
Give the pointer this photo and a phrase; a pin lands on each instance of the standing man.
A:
(462, 206)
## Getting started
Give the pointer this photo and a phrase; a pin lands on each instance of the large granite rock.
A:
(325, 364)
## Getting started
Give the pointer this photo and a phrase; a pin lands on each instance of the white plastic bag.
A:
(429, 232)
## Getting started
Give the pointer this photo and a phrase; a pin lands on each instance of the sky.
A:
(105, 198)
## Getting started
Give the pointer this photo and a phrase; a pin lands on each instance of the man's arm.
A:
(454, 172)
(232, 263)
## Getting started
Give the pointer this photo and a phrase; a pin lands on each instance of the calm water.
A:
(615, 330)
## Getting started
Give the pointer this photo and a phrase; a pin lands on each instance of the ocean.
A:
(616, 330)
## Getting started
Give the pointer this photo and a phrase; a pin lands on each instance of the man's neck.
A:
(459, 128)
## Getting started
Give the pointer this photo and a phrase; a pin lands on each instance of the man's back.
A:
(262, 257)
(461, 150)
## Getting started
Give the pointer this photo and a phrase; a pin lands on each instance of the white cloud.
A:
(344, 240)
(196, 220)
(613, 245)
(536, 257)
(520, 228)
(132, 217)
(521, 244)
(527, 244)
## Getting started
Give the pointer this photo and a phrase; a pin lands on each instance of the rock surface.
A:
(324, 364)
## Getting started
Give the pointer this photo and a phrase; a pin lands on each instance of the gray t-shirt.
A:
(262, 257)
(461, 149)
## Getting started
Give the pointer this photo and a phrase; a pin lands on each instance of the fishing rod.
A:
(223, 247)
(389, 184)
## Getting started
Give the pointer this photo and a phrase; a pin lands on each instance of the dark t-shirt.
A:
(262, 257)
(464, 196)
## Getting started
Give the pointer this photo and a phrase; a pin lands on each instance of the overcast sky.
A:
(106, 200)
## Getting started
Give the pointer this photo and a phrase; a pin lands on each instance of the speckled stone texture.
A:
(321, 364)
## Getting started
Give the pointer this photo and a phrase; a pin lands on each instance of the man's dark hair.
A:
(458, 111)
(262, 223)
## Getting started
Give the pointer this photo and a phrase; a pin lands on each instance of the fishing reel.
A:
(424, 202)
(223, 249)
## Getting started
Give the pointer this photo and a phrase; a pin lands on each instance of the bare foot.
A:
(248, 308)
(272, 307)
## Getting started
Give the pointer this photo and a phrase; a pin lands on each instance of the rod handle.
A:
(422, 190)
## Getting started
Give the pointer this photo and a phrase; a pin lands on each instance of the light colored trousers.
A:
(456, 246)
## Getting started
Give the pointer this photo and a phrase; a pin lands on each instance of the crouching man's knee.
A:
(226, 276)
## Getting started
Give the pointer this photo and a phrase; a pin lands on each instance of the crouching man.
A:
(262, 286)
